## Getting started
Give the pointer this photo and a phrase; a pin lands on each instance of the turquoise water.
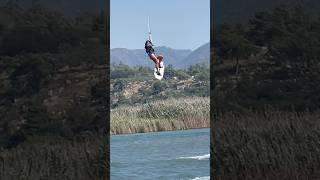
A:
(176, 155)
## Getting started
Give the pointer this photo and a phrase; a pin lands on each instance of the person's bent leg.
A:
(156, 61)
(160, 57)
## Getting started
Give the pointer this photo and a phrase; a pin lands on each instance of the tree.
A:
(36, 4)
(12, 4)
(30, 74)
(232, 43)
(170, 72)
(158, 86)
(295, 40)
(118, 85)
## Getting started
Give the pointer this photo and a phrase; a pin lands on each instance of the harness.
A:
(148, 46)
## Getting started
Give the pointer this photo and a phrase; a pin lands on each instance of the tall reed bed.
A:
(162, 115)
(85, 157)
(266, 145)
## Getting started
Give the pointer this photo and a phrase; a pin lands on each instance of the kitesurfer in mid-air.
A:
(150, 51)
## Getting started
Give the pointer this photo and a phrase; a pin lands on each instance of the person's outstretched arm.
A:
(150, 38)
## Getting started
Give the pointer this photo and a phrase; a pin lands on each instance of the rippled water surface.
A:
(162, 155)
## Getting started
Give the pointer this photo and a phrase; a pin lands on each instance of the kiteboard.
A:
(161, 70)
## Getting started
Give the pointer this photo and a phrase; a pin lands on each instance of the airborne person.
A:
(150, 51)
(157, 59)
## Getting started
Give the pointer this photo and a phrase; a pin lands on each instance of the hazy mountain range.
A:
(179, 58)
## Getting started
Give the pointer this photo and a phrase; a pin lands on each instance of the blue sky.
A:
(179, 24)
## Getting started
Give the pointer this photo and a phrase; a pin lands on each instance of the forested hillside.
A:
(137, 85)
(240, 11)
(271, 60)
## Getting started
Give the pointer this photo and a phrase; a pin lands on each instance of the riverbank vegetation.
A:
(269, 144)
(48, 157)
(162, 115)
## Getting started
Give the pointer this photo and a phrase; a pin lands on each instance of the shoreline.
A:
(159, 131)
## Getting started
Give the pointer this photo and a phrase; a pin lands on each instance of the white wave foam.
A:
(201, 178)
(203, 157)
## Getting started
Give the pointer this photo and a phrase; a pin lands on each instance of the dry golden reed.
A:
(269, 144)
(56, 158)
(162, 115)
